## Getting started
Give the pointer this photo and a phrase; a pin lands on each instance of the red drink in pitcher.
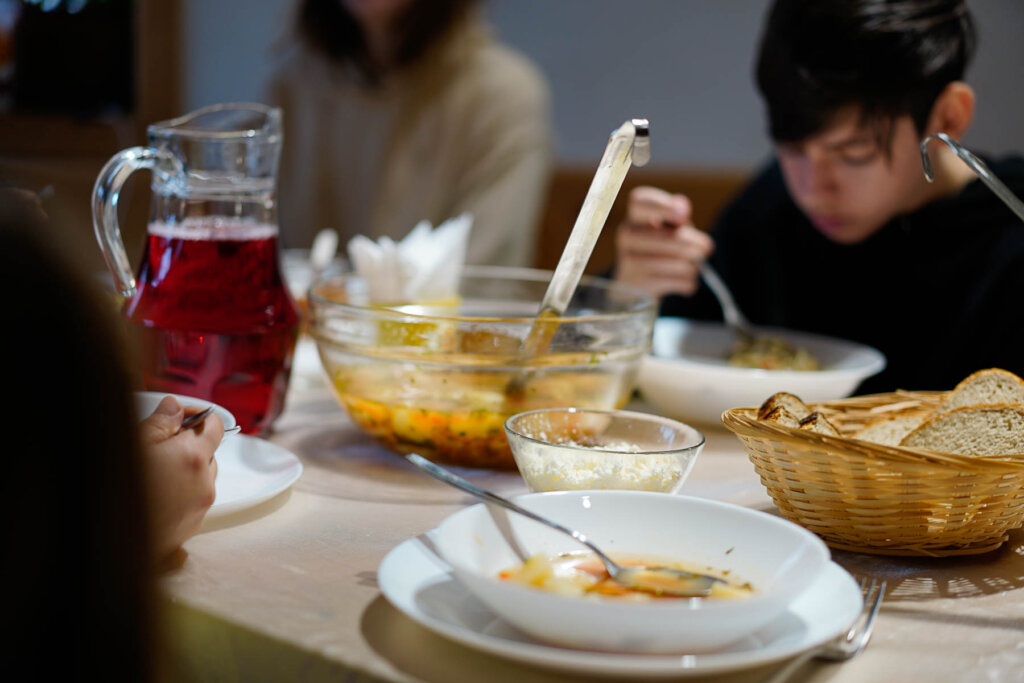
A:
(213, 317)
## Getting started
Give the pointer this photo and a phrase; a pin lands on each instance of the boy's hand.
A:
(658, 248)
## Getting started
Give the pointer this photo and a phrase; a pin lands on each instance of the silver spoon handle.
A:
(734, 318)
(472, 489)
(195, 420)
(976, 165)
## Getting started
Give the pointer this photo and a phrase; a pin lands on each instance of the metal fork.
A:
(846, 645)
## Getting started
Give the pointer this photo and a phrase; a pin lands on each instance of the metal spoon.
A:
(734, 318)
(195, 419)
(976, 165)
(657, 580)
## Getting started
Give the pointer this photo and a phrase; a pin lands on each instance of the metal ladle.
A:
(976, 165)
(628, 144)
(657, 580)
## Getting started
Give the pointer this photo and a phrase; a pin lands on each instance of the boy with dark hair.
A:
(842, 234)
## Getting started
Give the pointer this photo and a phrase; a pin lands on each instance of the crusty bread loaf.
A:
(983, 415)
(994, 429)
(985, 387)
(781, 416)
(889, 431)
(816, 422)
(791, 403)
(813, 422)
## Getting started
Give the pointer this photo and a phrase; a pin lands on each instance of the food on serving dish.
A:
(768, 352)
(435, 379)
(993, 385)
(787, 401)
(779, 559)
(780, 415)
(457, 414)
(611, 447)
(816, 422)
(580, 470)
(991, 429)
(560, 449)
(688, 377)
(888, 431)
(583, 575)
(790, 411)
(983, 415)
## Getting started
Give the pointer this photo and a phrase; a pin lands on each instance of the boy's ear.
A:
(953, 110)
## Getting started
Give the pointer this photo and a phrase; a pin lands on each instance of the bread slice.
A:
(985, 387)
(791, 403)
(995, 429)
(889, 431)
(781, 416)
(816, 422)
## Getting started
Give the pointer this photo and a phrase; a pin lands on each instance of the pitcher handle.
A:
(105, 194)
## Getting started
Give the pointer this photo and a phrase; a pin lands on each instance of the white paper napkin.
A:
(424, 266)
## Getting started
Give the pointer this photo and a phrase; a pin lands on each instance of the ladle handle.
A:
(629, 143)
(976, 165)
(474, 490)
(105, 195)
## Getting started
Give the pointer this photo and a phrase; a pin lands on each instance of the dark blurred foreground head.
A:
(77, 562)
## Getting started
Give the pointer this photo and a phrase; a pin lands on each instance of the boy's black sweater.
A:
(939, 291)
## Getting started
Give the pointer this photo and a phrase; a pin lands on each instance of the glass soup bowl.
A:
(440, 378)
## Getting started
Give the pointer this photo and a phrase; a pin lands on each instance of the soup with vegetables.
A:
(457, 414)
(583, 575)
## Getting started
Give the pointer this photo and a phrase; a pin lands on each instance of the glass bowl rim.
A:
(643, 303)
(613, 412)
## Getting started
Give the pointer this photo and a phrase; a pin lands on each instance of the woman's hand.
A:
(180, 473)
(657, 247)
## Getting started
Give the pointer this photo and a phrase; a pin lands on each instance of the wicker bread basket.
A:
(885, 500)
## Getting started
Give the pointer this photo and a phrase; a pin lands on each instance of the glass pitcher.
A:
(209, 310)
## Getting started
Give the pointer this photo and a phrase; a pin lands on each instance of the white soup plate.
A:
(779, 559)
(687, 375)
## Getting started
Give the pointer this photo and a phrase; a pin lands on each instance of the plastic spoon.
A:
(629, 143)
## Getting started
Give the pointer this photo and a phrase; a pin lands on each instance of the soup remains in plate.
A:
(771, 353)
(583, 575)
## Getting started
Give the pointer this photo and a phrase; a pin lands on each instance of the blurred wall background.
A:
(684, 64)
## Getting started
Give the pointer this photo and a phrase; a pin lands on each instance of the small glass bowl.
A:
(569, 449)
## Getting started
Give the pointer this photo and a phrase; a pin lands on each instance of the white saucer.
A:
(419, 583)
(251, 470)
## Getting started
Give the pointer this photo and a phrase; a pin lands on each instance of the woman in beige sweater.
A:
(401, 110)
